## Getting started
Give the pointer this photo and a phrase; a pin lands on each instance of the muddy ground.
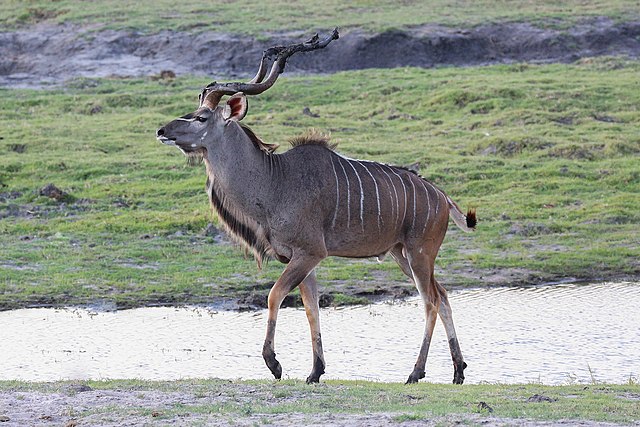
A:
(46, 54)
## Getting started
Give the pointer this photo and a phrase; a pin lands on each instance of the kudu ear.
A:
(236, 107)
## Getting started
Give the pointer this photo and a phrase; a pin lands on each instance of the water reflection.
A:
(554, 335)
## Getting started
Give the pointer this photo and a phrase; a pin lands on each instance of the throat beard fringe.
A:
(195, 158)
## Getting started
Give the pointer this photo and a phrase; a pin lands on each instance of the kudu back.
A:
(311, 202)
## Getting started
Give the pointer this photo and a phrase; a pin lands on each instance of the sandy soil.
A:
(47, 54)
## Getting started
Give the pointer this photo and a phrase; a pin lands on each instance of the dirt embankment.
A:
(46, 53)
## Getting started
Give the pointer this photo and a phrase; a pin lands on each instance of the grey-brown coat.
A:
(311, 202)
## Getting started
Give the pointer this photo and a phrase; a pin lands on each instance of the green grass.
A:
(548, 154)
(242, 401)
(247, 17)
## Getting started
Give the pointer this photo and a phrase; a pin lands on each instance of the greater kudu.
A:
(311, 202)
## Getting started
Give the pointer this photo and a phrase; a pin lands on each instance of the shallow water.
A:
(554, 335)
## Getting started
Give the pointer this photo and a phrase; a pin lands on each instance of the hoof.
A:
(273, 364)
(416, 375)
(318, 369)
(458, 374)
(313, 379)
(276, 370)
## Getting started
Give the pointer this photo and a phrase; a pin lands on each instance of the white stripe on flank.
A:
(413, 222)
(361, 194)
(426, 190)
(404, 214)
(335, 212)
(397, 210)
(438, 191)
(375, 183)
(348, 194)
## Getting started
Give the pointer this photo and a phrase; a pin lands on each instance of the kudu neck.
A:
(236, 154)
(239, 169)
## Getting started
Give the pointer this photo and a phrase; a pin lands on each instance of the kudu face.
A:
(203, 129)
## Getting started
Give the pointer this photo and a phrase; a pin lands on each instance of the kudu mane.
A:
(313, 137)
(259, 143)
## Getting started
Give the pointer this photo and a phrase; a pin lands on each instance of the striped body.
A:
(379, 204)
(357, 208)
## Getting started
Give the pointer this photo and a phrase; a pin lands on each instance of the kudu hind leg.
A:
(422, 268)
(447, 320)
(446, 316)
(295, 272)
(310, 299)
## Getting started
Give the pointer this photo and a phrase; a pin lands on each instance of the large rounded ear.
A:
(236, 107)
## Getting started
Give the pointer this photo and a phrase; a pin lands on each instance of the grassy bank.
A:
(221, 402)
(548, 154)
(246, 17)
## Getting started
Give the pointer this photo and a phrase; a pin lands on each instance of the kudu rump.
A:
(311, 202)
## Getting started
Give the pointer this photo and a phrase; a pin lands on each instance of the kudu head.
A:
(198, 132)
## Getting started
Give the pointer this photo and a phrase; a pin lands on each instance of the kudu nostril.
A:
(160, 132)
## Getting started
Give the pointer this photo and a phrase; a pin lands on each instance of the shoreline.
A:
(253, 301)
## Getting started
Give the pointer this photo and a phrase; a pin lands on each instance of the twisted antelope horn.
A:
(213, 92)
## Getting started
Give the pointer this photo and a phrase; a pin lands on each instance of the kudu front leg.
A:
(295, 272)
(310, 299)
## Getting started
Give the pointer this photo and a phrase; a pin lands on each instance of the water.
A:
(554, 335)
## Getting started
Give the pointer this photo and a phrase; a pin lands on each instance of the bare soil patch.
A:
(46, 54)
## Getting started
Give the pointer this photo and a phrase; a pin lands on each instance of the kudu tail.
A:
(466, 222)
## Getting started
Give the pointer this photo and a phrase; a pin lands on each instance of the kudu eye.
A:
(201, 119)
